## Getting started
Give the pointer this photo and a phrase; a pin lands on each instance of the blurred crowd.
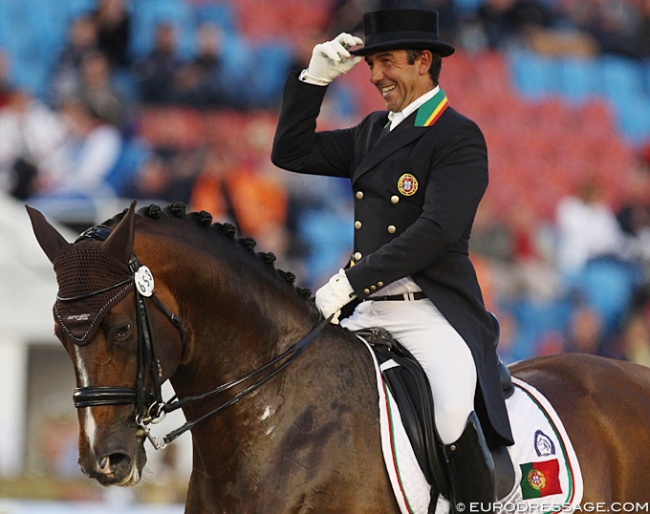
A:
(171, 124)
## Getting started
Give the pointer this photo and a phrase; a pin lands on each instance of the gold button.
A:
(380, 284)
(391, 229)
(394, 199)
(357, 256)
(357, 224)
(373, 288)
(366, 291)
(359, 195)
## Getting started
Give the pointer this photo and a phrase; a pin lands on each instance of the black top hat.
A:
(405, 29)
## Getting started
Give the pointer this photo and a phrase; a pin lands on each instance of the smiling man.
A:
(418, 173)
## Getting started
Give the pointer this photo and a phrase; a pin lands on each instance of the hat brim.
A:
(444, 49)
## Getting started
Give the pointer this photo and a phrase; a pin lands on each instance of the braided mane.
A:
(204, 219)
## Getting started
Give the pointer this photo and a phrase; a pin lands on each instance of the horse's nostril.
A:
(113, 463)
(119, 461)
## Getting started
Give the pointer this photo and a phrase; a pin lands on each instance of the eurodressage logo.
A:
(543, 444)
(407, 184)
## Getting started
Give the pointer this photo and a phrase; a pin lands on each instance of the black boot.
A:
(471, 470)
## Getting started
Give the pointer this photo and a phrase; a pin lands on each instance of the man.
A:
(418, 174)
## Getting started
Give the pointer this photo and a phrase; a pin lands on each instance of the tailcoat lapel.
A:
(413, 127)
(401, 136)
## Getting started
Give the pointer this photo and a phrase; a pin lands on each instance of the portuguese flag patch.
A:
(539, 479)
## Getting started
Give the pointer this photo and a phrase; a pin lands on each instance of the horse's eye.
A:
(123, 331)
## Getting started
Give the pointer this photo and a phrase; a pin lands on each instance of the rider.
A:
(416, 193)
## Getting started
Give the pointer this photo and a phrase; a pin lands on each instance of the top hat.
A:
(404, 29)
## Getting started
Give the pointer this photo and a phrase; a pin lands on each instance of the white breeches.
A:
(442, 352)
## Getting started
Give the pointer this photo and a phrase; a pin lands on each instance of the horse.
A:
(281, 404)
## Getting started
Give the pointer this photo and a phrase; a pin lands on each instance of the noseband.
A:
(150, 407)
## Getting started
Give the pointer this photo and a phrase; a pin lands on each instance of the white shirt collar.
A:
(397, 117)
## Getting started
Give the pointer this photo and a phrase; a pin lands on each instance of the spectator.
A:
(635, 338)
(66, 76)
(5, 87)
(585, 331)
(618, 29)
(644, 28)
(113, 31)
(587, 228)
(504, 21)
(532, 264)
(167, 175)
(96, 84)
(31, 141)
(92, 151)
(232, 191)
(201, 81)
(156, 72)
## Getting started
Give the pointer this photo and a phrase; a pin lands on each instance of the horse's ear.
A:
(119, 244)
(51, 241)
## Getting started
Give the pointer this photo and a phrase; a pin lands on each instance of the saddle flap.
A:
(409, 386)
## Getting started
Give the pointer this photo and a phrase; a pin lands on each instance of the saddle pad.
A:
(547, 473)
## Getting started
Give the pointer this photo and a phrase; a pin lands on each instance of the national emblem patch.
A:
(540, 479)
(407, 184)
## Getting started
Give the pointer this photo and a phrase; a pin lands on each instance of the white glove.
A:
(334, 295)
(331, 59)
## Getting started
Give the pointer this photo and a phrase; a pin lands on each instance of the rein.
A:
(150, 408)
(288, 356)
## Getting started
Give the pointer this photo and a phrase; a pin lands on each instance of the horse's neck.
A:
(236, 319)
(314, 423)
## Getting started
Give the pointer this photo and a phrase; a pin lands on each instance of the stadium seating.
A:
(551, 122)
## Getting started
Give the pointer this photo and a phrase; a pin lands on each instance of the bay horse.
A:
(282, 406)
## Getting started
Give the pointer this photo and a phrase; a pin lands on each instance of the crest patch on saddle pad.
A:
(407, 184)
(543, 444)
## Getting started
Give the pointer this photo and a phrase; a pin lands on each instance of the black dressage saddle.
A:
(409, 387)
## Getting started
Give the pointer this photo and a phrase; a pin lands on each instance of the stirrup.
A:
(471, 470)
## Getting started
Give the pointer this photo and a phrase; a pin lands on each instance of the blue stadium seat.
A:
(607, 285)
(271, 66)
(534, 76)
(221, 14)
(131, 158)
(579, 78)
(646, 76)
(536, 320)
(467, 6)
(633, 116)
(620, 76)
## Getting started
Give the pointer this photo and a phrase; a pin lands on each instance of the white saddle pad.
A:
(547, 473)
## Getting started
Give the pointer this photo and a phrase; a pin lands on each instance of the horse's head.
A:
(102, 320)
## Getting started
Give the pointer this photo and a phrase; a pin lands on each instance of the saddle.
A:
(410, 389)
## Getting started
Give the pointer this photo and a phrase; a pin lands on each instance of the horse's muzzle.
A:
(115, 468)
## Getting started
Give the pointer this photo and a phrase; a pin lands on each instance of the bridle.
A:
(149, 406)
